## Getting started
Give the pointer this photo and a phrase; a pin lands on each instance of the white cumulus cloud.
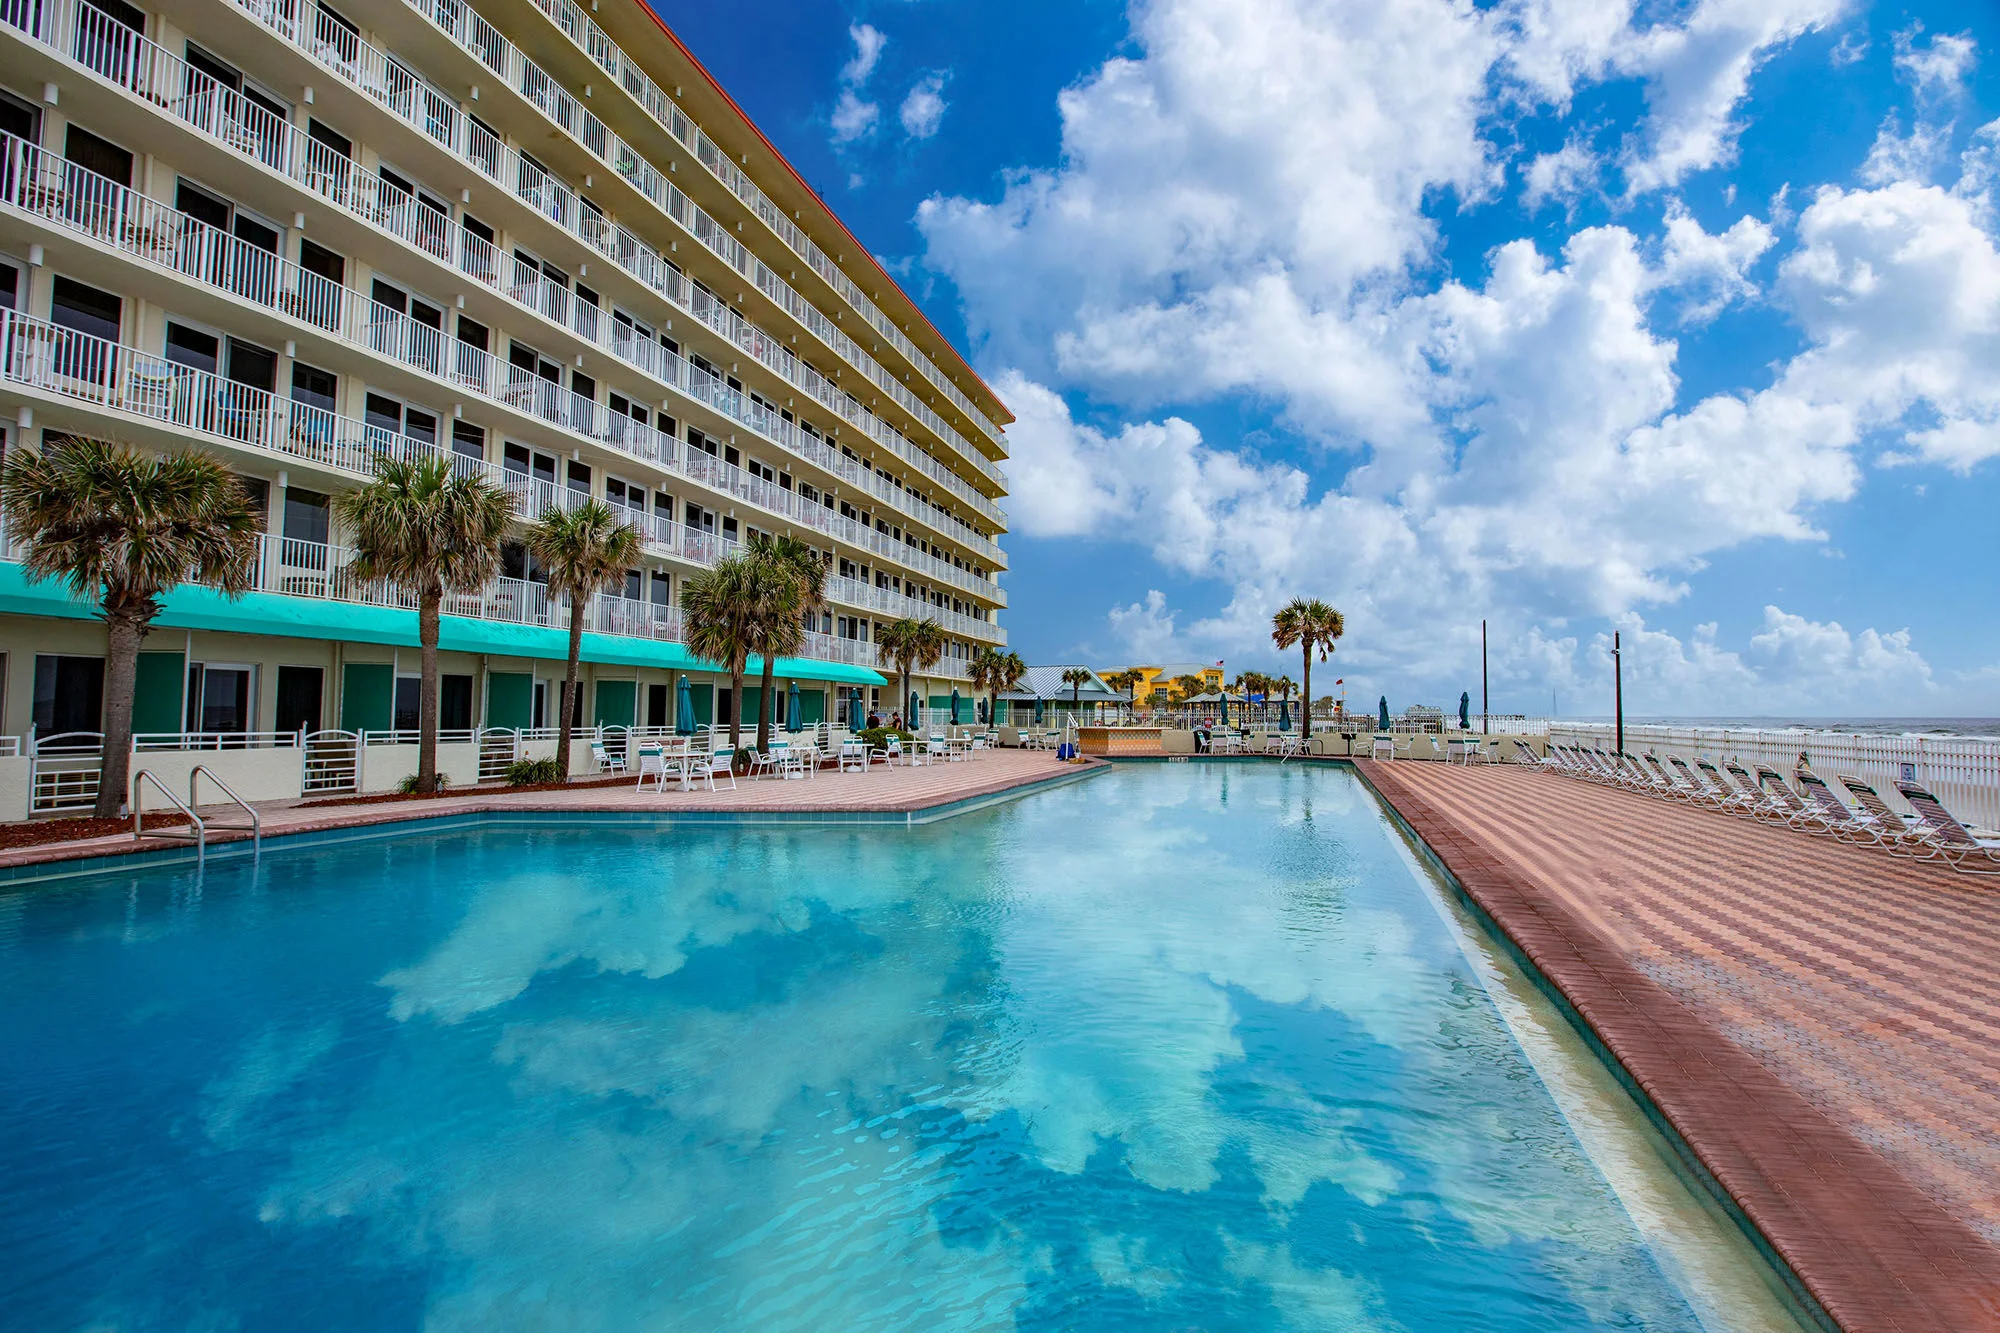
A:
(923, 110)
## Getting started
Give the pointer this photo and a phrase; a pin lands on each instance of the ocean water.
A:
(1180, 1047)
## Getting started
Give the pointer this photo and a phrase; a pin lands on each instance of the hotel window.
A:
(219, 698)
(314, 258)
(635, 585)
(625, 407)
(625, 495)
(19, 118)
(578, 478)
(10, 284)
(306, 516)
(663, 505)
(662, 588)
(468, 440)
(522, 461)
(69, 694)
(384, 413)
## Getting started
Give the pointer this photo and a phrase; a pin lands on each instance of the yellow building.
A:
(299, 236)
(1155, 687)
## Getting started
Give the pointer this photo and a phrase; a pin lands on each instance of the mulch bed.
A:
(36, 832)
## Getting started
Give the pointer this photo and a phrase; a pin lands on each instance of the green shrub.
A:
(876, 738)
(408, 786)
(527, 772)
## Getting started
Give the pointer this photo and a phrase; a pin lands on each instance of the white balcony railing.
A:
(39, 355)
(401, 92)
(79, 366)
(63, 194)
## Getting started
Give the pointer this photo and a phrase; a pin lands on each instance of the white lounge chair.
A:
(1954, 842)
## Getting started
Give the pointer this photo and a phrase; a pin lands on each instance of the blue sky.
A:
(1676, 318)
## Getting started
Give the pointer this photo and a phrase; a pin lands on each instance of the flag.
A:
(1341, 681)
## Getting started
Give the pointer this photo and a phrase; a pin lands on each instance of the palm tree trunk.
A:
(735, 710)
(428, 605)
(909, 723)
(121, 676)
(576, 605)
(1306, 706)
(766, 683)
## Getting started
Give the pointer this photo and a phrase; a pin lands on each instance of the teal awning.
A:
(195, 607)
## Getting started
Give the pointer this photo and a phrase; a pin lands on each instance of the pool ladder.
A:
(197, 836)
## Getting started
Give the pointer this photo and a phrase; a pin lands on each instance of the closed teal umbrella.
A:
(684, 709)
(855, 719)
(1038, 712)
(911, 718)
(1465, 710)
(1383, 708)
(954, 705)
(1284, 715)
(1225, 708)
(792, 708)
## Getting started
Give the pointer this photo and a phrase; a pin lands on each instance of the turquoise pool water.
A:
(1180, 1047)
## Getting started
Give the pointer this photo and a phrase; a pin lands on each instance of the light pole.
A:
(1618, 689)
(1485, 722)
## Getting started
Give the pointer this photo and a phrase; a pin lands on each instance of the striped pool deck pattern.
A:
(1819, 1022)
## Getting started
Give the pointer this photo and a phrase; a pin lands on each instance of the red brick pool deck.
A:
(881, 790)
(1819, 1022)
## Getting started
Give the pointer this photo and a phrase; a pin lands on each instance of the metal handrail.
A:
(195, 775)
(140, 779)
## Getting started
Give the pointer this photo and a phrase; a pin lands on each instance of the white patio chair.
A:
(606, 762)
(652, 764)
(721, 762)
(1384, 747)
(936, 750)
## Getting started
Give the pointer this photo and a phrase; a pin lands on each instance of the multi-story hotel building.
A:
(532, 237)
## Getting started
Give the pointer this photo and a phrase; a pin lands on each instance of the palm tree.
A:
(1125, 681)
(123, 528)
(724, 613)
(1312, 626)
(788, 561)
(1187, 687)
(996, 672)
(910, 644)
(1076, 678)
(585, 550)
(429, 532)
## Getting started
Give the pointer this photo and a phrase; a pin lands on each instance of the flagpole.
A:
(1485, 719)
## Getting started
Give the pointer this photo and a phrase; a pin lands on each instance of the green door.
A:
(703, 698)
(812, 707)
(510, 699)
(616, 700)
(367, 696)
(156, 701)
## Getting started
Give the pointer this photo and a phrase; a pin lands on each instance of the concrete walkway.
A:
(1820, 1022)
(881, 790)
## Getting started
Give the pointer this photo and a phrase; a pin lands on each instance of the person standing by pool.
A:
(874, 719)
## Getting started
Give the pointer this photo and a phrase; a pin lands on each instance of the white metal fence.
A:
(1962, 771)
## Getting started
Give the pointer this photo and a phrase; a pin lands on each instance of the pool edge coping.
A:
(28, 874)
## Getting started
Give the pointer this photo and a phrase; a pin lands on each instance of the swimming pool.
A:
(1181, 1047)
